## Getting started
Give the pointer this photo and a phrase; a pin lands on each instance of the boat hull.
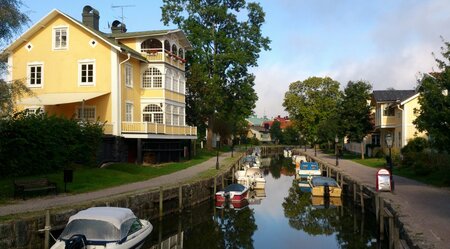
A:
(320, 191)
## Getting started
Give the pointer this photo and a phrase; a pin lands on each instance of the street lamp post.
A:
(391, 167)
(336, 140)
(315, 150)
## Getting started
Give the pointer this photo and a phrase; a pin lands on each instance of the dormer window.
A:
(60, 38)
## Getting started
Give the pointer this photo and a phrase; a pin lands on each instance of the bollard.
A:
(215, 185)
(354, 193)
(232, 174)
(377, 206)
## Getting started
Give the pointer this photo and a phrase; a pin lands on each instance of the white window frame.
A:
(34, 110)
(88, 109)
(80, 65)
(129, 75)
(153, 115)
(150, 80)
(129, 111)
(29, 66)
(55, 45)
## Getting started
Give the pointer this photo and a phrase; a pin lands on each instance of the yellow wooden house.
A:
(394, 115)
(134, 82)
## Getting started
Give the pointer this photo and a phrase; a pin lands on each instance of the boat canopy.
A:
(235, 187)
(100, 224)
(322, 181)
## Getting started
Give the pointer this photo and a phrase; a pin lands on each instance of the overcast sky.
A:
(385, 42)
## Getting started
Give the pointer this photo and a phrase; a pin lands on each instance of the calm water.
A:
(282, 216)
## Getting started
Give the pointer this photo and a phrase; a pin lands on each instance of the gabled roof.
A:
(392, 95)
(100, 35)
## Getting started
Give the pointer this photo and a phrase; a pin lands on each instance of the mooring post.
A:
(342, 180)
(180, 197)
(223, 182)
(232, 174)
(215, 185)
(354, 193)
(361, 193)
(377, 206)
(47, 229)
(161, 201)
(381, 219)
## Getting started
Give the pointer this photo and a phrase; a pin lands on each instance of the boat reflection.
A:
(232, 205)
(256, 196)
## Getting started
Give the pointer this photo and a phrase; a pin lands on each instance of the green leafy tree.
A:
(11, 21)
(275, 132)
(310, 103)
(224, 47)
(355, 111)
(434, 113)
(290, 135)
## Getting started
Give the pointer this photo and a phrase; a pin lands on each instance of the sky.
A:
(388, 43)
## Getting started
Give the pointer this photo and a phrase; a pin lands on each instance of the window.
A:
(168, 114)
(181, 117)
(60, 38)
(152, 78)
(33, 110)
(35, 73)
(128, 75)
(389, 111)
(86, 72)
(153, 113)
(135, 226)
(182, 87)
(86, 114)
(176, 115)
(175, 86)
(169, 79)
(129, 112)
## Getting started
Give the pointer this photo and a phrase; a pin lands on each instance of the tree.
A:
(11, 21)
(434, 113)
(310, 103)
(218, 82)
(355, 111)
(275, 132)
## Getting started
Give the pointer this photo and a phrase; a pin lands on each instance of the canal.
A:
(281, 216)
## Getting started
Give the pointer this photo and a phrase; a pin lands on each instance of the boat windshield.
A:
(95, 230)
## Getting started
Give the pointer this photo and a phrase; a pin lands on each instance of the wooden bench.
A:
(32, 185)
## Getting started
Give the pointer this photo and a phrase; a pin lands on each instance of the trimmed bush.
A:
(38, 143)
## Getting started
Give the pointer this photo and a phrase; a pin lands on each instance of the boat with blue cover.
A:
(309, 170)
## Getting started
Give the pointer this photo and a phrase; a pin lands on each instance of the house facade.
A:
(133, 82)
(394, 114)
(257, 130)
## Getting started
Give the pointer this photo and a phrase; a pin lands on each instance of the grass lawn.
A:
(91, 179)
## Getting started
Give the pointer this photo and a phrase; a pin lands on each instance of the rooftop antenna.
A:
(121, 7)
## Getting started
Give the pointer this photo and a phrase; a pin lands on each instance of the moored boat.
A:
(309, 169)
(234, 192)
(250, 177)
(104, 227)
(325, 186)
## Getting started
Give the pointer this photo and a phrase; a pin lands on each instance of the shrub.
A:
(39, 144)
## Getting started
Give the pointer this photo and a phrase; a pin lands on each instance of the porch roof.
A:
(59, 98)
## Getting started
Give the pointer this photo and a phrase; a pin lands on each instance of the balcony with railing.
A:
(158, 55)
(151, 128)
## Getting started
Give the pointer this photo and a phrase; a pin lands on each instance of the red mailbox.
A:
(383, 180)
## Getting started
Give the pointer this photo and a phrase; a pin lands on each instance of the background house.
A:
(394, 114)
(133, 82)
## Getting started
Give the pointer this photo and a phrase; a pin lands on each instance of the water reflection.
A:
(280, 216)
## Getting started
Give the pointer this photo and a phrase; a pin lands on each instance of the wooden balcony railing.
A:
(166, 56)
(152, 128)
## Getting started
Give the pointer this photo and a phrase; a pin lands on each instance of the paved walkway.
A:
(423, 209)
(48, 202)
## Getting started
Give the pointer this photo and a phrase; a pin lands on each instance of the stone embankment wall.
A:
(23, 232)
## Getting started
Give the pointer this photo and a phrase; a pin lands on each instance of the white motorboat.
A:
(251, 177)
(251, 161)
(309, 169)
(102, 228)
